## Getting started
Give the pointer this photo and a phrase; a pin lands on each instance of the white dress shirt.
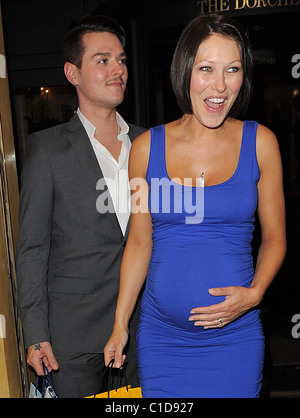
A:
(115, 172)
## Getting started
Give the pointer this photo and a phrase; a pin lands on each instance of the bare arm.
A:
(137, 254)
(271, 212)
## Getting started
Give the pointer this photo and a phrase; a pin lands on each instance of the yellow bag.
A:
(124, 392)
(121, 392)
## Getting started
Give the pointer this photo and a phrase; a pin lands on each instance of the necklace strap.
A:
(112, 143)
(201, 173)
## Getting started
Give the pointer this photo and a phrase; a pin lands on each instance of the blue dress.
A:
(201, 239)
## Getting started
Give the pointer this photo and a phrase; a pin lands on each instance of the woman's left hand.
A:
(238, 300)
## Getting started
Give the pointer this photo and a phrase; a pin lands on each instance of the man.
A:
(70, 248)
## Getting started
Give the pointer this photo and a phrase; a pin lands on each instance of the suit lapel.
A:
(84, 150)
(82, 147)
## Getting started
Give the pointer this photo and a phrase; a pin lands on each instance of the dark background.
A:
(33, 33)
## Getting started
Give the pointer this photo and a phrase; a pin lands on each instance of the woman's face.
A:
(216, 79)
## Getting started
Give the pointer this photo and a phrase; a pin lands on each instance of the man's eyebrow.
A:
(108, 54)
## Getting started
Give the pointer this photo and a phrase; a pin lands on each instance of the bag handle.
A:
(121, 374)
(46, 377)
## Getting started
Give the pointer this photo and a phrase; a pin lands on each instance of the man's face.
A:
(101, 80)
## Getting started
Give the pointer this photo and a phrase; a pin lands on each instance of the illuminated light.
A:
(295, 92)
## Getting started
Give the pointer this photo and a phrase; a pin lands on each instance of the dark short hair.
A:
(192, 36)
(73, 46)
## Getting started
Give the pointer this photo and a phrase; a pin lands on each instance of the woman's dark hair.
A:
(193, 35)
(73, 47)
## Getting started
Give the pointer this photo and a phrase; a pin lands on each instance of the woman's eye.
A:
(206, 69)
(233, 69)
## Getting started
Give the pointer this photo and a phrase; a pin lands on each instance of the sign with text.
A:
(259, 6)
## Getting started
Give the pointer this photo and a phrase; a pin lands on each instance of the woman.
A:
(200, 333)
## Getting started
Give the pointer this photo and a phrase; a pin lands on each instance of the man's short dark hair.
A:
(73, 47)
(193, 35)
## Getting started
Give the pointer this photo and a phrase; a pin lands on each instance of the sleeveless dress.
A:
(201, 239)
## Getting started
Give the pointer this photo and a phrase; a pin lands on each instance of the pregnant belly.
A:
(174, 289)
(172, 300)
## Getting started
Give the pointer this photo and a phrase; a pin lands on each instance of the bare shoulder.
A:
(142, 142)
(267, 148)
(234, 129)
(173, 129)
(139, 154)
(235, 124)
(265, 137)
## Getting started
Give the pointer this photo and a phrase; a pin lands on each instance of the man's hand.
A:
(41, 352)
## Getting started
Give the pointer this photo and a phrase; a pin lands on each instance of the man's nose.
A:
(117, 69)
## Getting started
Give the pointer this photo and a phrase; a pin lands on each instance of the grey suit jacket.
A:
(68, 254)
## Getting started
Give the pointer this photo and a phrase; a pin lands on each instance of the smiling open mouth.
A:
(214, 102)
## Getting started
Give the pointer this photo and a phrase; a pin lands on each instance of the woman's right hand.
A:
(114, 348)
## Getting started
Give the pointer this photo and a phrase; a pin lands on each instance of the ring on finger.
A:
(220, 322)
